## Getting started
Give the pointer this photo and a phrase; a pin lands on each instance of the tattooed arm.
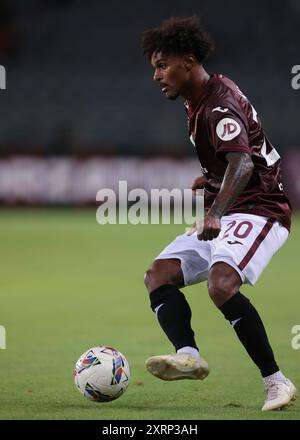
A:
(238, 173)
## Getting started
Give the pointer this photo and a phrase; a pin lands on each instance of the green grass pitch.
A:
(68, 284)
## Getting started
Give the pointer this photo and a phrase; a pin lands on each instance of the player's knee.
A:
(163, 272)
(153, 279)
(221, 289)
(148, 276)
(223, 283)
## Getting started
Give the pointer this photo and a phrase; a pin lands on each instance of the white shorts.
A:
(246, 242)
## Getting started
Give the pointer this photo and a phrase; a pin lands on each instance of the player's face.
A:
(170, 73)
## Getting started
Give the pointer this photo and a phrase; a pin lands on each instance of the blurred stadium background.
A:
(81, 112)
(79, 89)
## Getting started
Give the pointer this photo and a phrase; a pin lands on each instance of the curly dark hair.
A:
(178, 36)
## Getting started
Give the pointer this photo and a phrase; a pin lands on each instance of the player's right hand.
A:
(211, 228)
(199, 183)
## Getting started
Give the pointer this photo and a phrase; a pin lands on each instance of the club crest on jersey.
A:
(228, 129)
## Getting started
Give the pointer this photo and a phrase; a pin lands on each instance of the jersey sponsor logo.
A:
(220, 109)
(228, 129)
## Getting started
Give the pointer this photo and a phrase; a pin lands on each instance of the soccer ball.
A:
(102, 374)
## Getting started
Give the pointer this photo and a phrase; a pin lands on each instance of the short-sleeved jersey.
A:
(224, 121)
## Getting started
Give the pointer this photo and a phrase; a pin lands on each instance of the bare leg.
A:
(163, 272)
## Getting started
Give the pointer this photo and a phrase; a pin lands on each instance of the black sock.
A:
(251, 332)
(174, 315)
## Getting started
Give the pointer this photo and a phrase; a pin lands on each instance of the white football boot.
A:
(177, 366)
(279, 394)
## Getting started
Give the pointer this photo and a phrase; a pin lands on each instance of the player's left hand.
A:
(211, 228)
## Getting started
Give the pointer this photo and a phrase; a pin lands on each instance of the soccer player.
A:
(247, 215)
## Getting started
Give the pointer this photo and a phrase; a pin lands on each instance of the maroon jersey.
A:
(224, 121)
